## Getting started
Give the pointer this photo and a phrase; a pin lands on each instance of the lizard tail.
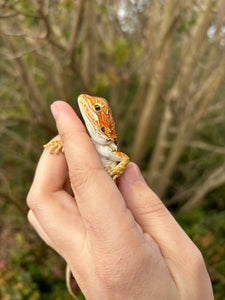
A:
(68, 282)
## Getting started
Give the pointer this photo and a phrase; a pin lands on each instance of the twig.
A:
(20, 54)
(207, 147)
(6, 118)
(50, 34)
(24, 35)
(214, 180)
(75, 30)
(9, 195)
(8, 16)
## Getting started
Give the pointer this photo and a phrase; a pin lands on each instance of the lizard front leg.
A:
(54, 146)
(116, 171)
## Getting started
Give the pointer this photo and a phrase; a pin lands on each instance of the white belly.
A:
(108, 154)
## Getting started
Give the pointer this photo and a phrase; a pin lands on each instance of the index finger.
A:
(100, 203)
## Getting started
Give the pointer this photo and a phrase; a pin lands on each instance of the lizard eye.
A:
(97, 107)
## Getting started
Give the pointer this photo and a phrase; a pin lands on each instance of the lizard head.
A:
(98, 118)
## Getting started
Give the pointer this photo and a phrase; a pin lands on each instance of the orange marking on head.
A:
(98, 112)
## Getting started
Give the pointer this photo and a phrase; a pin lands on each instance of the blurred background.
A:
(161, 65)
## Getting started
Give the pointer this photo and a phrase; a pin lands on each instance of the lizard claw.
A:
(108, 168)
(114, 173)
(54, 146)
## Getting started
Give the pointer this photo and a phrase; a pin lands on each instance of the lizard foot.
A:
(113, 172)
(54, 146)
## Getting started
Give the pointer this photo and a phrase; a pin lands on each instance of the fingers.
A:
(51, 173)
(51, 182)
(51, 202)
(61, 242)
(34, 222)
(98, 199)
(155, 219)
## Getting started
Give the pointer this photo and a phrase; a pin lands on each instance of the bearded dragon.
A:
(99, 122)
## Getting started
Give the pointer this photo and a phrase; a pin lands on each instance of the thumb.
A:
(152, 215)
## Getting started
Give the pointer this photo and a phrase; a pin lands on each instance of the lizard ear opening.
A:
(103, 129)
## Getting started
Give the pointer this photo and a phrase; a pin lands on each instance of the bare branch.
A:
(171, 10)
(6, 118)
(6, 16)
(73, 43)
(25, 35)
(19, 140)
(75, 31)
(21, 53)
(159, 155)
(41, 110)
(50, 32)
(9, 194)
(207, 147)
(193, 114)
(5, 70)
(216, 178)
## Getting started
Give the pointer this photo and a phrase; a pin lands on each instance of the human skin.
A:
(120, 242)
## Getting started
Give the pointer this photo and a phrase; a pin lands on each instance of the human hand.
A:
(120, 242)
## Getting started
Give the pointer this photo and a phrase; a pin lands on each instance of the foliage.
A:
(161, 64)
(207, 231)
(29, 269)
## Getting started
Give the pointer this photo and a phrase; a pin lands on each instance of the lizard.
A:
(100, 125)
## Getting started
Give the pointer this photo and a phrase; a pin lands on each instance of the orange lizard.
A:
(99, 122)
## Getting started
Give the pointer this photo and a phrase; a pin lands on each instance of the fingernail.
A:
(54, 110)
(133, 174)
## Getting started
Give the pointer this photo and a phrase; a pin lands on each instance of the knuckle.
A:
(82, 178)
(33, 198)
(115, 270)
(30, 199)
(79, 178)
(67, 136)
(197, 259)
(111, 273)
(156, 208)
(195, 262)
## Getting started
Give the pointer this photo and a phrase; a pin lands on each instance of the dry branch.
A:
(214, 180)
(207, 147)
(51, 30)
(161, 54)
(9, 195)
(159, 155)
(75, 31)
(187, 127)
(38, 106)
(183, 98)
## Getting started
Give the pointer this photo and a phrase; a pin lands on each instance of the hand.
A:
(120, 242)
